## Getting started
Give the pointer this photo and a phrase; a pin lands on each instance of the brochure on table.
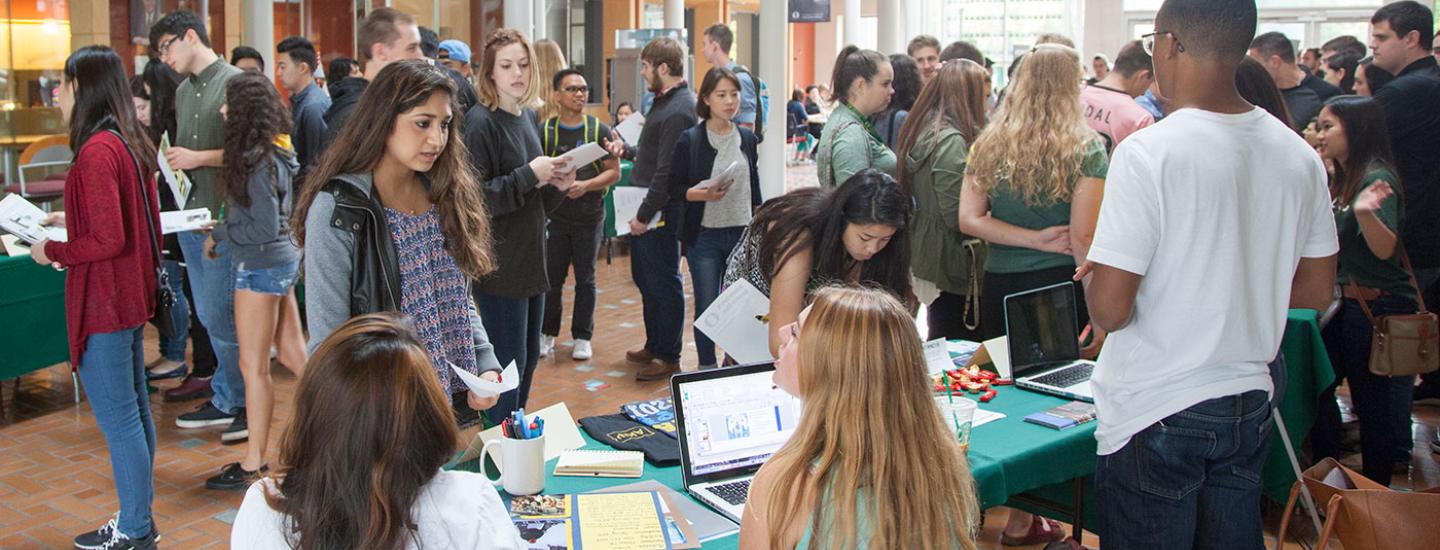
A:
(23, 219)
(706, 524)
(603, 521)
(739, 322)
(627, 207)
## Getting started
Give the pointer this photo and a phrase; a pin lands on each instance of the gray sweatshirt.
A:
(329, 257)
(259, 235)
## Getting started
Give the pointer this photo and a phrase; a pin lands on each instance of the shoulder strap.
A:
(144, 198)
(1409, 269)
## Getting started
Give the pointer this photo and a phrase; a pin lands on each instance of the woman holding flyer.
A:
(714, 167)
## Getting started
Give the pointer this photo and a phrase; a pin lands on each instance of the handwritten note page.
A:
(625, 521)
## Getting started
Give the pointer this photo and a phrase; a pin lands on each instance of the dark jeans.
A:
(112, 371)
(947, 319)
(999, 285)
(565, 246)
(655, 267)
(1429, 279)
(202, 364)
(707, 267)
(1190, 481)
(1382, 402)
(513, 325)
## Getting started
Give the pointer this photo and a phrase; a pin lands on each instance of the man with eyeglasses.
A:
(577, 225)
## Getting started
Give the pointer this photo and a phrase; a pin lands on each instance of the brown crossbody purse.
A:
(1403, 344)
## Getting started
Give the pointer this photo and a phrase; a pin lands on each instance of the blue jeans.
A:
(213, 286)
(275, 281)
(112, 371)
(1382, 402)
(655, 267)
(513, 325)
(174, 348)
(1190, 481)
(707, 267)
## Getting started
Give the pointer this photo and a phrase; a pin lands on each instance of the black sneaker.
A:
(232, 477)
(204, 416)
(109, 537)
(239, 429)
(177, 372)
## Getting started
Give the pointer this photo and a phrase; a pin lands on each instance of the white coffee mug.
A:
(521, 463)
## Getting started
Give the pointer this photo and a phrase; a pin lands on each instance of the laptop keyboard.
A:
(733, 492)
(1066, 377)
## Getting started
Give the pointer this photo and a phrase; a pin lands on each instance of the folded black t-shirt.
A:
(620, 432)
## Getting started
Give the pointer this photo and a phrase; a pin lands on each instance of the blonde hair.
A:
(548, 60)
(859, 355)
(1043, 102)
(489, 96)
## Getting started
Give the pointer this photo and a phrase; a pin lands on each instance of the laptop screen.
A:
(733, 422)
(1040, 326)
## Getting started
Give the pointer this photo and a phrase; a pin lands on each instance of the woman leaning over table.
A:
(849, 142)
(110, 261)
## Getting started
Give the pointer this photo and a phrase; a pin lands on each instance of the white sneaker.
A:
(547, 345)
(582, 351)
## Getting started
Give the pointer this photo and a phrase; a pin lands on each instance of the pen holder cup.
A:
(521, 463)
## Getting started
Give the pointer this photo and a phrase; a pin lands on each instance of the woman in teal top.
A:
(1369, 213)
(849, 142)
(850, 476)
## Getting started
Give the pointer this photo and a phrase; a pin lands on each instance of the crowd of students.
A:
(434, 220)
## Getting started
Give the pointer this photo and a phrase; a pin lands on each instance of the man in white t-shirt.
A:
(1215, 221)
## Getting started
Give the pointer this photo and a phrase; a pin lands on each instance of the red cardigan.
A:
(110, 266)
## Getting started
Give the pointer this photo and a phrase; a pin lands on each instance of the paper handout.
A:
(937, 357)
(630, 129)
(180, 221)
(627, 206)
(582, 155)
(509, 380)
(722, 182)
(21, 218)
(739, 321)
(177, 180)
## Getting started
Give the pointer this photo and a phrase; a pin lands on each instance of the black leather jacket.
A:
(375, 274)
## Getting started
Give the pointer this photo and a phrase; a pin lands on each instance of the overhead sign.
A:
(809, 11)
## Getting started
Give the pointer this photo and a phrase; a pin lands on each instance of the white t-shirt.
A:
(1215, 211)
(456, 510)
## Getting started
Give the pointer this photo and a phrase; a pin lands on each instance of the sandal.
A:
(1042, 531)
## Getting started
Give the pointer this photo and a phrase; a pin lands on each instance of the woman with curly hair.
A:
(258, 187)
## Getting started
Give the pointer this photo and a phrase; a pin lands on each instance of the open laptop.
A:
(1042, 332)
(729, 422)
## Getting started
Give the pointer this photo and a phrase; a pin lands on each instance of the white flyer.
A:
(179, 221)
(582, 155)
(937, 357)
(23, 219)
(727, 178)
(739, 321)
(627, 206)
(177, 180)
(631, 128)
(509, 380)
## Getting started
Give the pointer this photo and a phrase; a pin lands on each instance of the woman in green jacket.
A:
(932, 151)
(849, 143)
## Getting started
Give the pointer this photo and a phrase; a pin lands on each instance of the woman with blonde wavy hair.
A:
(850, 354)
(1032, 190)
(548, 61)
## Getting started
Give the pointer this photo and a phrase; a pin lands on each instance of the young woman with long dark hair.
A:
(907, 85)
(399, 180)
(258, 194)
(365, 471)
(110, 261)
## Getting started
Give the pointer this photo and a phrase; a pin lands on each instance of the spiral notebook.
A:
(600, 463)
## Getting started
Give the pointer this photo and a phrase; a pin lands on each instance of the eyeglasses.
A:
(1148, 42)
(165, 45)
(576, 89)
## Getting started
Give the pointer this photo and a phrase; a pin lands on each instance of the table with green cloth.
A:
(32, 317)
(626, 167)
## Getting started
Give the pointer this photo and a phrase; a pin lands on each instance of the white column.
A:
(852, 23)
(519, 15)
(540, 12)
(914, 19)
(888, 34)
(674, 14)
(258, 30)
(774, 37)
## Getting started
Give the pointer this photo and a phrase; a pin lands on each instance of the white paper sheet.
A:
(179, 221)
(582, 155)
(937, 357)
(14, 246)
(509, 380)
(177, 180)
(727, 178)
(999, 350)
(739, 322)
(23, 219)
(983, 417)
(627, 206)
(630, 129)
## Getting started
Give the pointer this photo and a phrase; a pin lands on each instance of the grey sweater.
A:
(329, 257)
(259, 235)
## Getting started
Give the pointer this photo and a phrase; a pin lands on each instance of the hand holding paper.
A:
(509, 380)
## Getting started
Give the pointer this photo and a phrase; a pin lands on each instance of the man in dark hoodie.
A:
(387, 35)
(466, 97)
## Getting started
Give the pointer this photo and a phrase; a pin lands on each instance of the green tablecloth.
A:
(32, 317)
(626, 167)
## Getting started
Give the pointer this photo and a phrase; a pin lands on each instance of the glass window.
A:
(34, 42)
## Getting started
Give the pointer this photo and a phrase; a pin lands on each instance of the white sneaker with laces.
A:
(582, 351)
(547, 345)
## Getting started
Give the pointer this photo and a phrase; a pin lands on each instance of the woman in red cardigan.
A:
(110, 278)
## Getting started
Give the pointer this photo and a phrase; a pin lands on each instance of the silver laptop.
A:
(1043, 336)
(729, 422)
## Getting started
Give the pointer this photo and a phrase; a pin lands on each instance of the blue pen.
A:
(524, 431)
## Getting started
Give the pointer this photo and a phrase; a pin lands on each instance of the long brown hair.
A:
(254, 117)
(858, 354)
(351, 468)
(955, 98)
(454, 188)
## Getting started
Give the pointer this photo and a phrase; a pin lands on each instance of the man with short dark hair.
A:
(1304, 92)
(925, 50)
(198, 149)
(247, 59)
(961, 49)
(295, 69)
(386, 35)
(1110, 106)
(715, 47)
(1194, 302)
(655, 253)
(1342, 44)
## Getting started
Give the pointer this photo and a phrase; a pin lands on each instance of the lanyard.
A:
(863, 120)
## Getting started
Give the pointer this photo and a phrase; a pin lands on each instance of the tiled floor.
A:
(55, 473)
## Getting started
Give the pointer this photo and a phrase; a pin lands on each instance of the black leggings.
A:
(996, 286)
(947, 319)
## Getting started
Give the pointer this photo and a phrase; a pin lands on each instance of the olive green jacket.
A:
(938, 250)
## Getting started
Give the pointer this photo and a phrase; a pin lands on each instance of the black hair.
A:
(103, 102)
(1406, 17)
(797, 95)
(1375, 77)
(1274, 44)
(1364, 124)
(254, 116)
(1344, 61)
(300, 50)
(137, 88)
(176, 23)
(1344, 43)
(961, 49)
(853, 63)
(429, 43)
(339, 68)
(811, 87)
(1014, 66)
(162, 82)
(560, 76)
(1132, 59)
(1218, 29)
(907, 81)
(1257, 87)
(707, 87)
(246, 52)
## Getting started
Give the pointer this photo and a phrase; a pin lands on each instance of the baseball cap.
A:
(456, 50)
